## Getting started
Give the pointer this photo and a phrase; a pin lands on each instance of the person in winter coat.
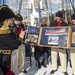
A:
(58, 22)
(8, 41)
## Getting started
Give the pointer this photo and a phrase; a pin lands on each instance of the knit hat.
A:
(18, 17)
(73, 16)
(10, 73)
(59, 14)
(5, 13)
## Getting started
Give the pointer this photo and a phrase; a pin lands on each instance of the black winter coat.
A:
(8, 40)
(54, 23)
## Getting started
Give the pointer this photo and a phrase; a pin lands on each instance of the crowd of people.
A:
(12, 37)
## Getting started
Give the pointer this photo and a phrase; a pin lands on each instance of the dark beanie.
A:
(59, 14)
(6, 13)
(73, 16)
(18, 17)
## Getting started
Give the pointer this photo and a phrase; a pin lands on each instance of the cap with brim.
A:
(18, 17)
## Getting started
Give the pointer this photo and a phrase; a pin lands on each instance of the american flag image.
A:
(55, 32)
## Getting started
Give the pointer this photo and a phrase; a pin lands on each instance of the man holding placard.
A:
(58, 22)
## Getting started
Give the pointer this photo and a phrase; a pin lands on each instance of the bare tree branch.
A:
(72, 4)
(20, 5)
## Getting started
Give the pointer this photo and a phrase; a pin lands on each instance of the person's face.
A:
(17, 22)
(44, 21)
(57, 18)
(73, 22)
(10, 21)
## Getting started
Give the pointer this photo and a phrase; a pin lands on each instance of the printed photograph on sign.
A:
(32, 35)
(53, 40)
(32, 38)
